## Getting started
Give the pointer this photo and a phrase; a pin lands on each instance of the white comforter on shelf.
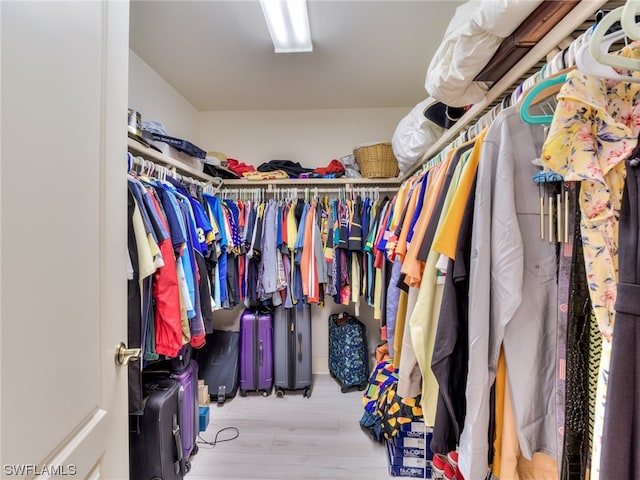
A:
(414, 135)
(472, 37)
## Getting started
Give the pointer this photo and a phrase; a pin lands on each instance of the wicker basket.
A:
(376, 160)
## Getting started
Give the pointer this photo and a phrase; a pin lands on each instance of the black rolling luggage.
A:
(155, 438)
(185, 372)
(218, 364)
(292, 349)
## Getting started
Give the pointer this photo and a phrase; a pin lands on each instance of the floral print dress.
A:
(594, 129)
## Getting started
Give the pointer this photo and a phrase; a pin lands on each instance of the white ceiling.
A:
(219, 56)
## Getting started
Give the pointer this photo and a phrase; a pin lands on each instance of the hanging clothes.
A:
(621, 435)
(594, 111)
(507, 260)
(138, 299)
(293, 250)
(471, 222)
(574, 317)
(450, 358)
(440, 181)
(173, 234)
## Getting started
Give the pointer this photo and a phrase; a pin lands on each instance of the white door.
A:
(63, 239)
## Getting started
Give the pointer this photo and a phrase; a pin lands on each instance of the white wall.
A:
(156, 99)
(311, 137)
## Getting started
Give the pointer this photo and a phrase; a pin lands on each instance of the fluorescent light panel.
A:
(288, 24)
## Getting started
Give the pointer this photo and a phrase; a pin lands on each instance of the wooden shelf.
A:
(524, 38)
(147, 153)
(580, 13)
(343, 181)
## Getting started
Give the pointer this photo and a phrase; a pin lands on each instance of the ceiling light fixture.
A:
(288, 24)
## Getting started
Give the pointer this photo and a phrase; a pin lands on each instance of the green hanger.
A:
(530, 97)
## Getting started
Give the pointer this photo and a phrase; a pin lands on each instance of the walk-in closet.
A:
(406, 246)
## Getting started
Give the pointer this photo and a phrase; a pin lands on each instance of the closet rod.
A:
(299, 182)
(301, 191)
(162, 172)
(348, 189)
(565, 28)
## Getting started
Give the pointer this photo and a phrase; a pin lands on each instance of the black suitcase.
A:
(188, 419)
(292, 349)
(155, 438)
(218, 364)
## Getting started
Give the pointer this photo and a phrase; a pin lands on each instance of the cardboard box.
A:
(408, 442)
(397, 459)
(203, 395)
(409, 472)
(413, 430)
(407, 467)
(412, 452)
(176, 154)
(409, 446)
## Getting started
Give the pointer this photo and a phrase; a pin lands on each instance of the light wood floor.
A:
(291, 438)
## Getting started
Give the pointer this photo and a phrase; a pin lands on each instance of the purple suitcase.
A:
(256, 352)
(189, 425)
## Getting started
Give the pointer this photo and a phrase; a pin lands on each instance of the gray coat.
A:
(512, 296)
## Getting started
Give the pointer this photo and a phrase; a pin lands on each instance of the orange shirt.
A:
(412, 267)
(396, 214)
(447, 236)
(401, 245)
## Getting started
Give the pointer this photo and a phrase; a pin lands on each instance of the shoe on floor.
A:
(452, 458)
(449, 472)
(437, 466)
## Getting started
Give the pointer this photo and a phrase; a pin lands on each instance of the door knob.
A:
(124, 354)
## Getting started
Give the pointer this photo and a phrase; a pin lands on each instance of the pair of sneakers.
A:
(446, 467)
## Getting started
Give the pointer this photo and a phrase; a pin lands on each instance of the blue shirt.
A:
(187, 259)
(173, 216)
(221, 278)
(216, 210)
(420, 202)
(203, 225)
(148, 212)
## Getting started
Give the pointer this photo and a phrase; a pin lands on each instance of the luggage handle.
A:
(300, 347)
(261, 351)
(134, 422)
(178, 440)
(222, 394)
(344, 318)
